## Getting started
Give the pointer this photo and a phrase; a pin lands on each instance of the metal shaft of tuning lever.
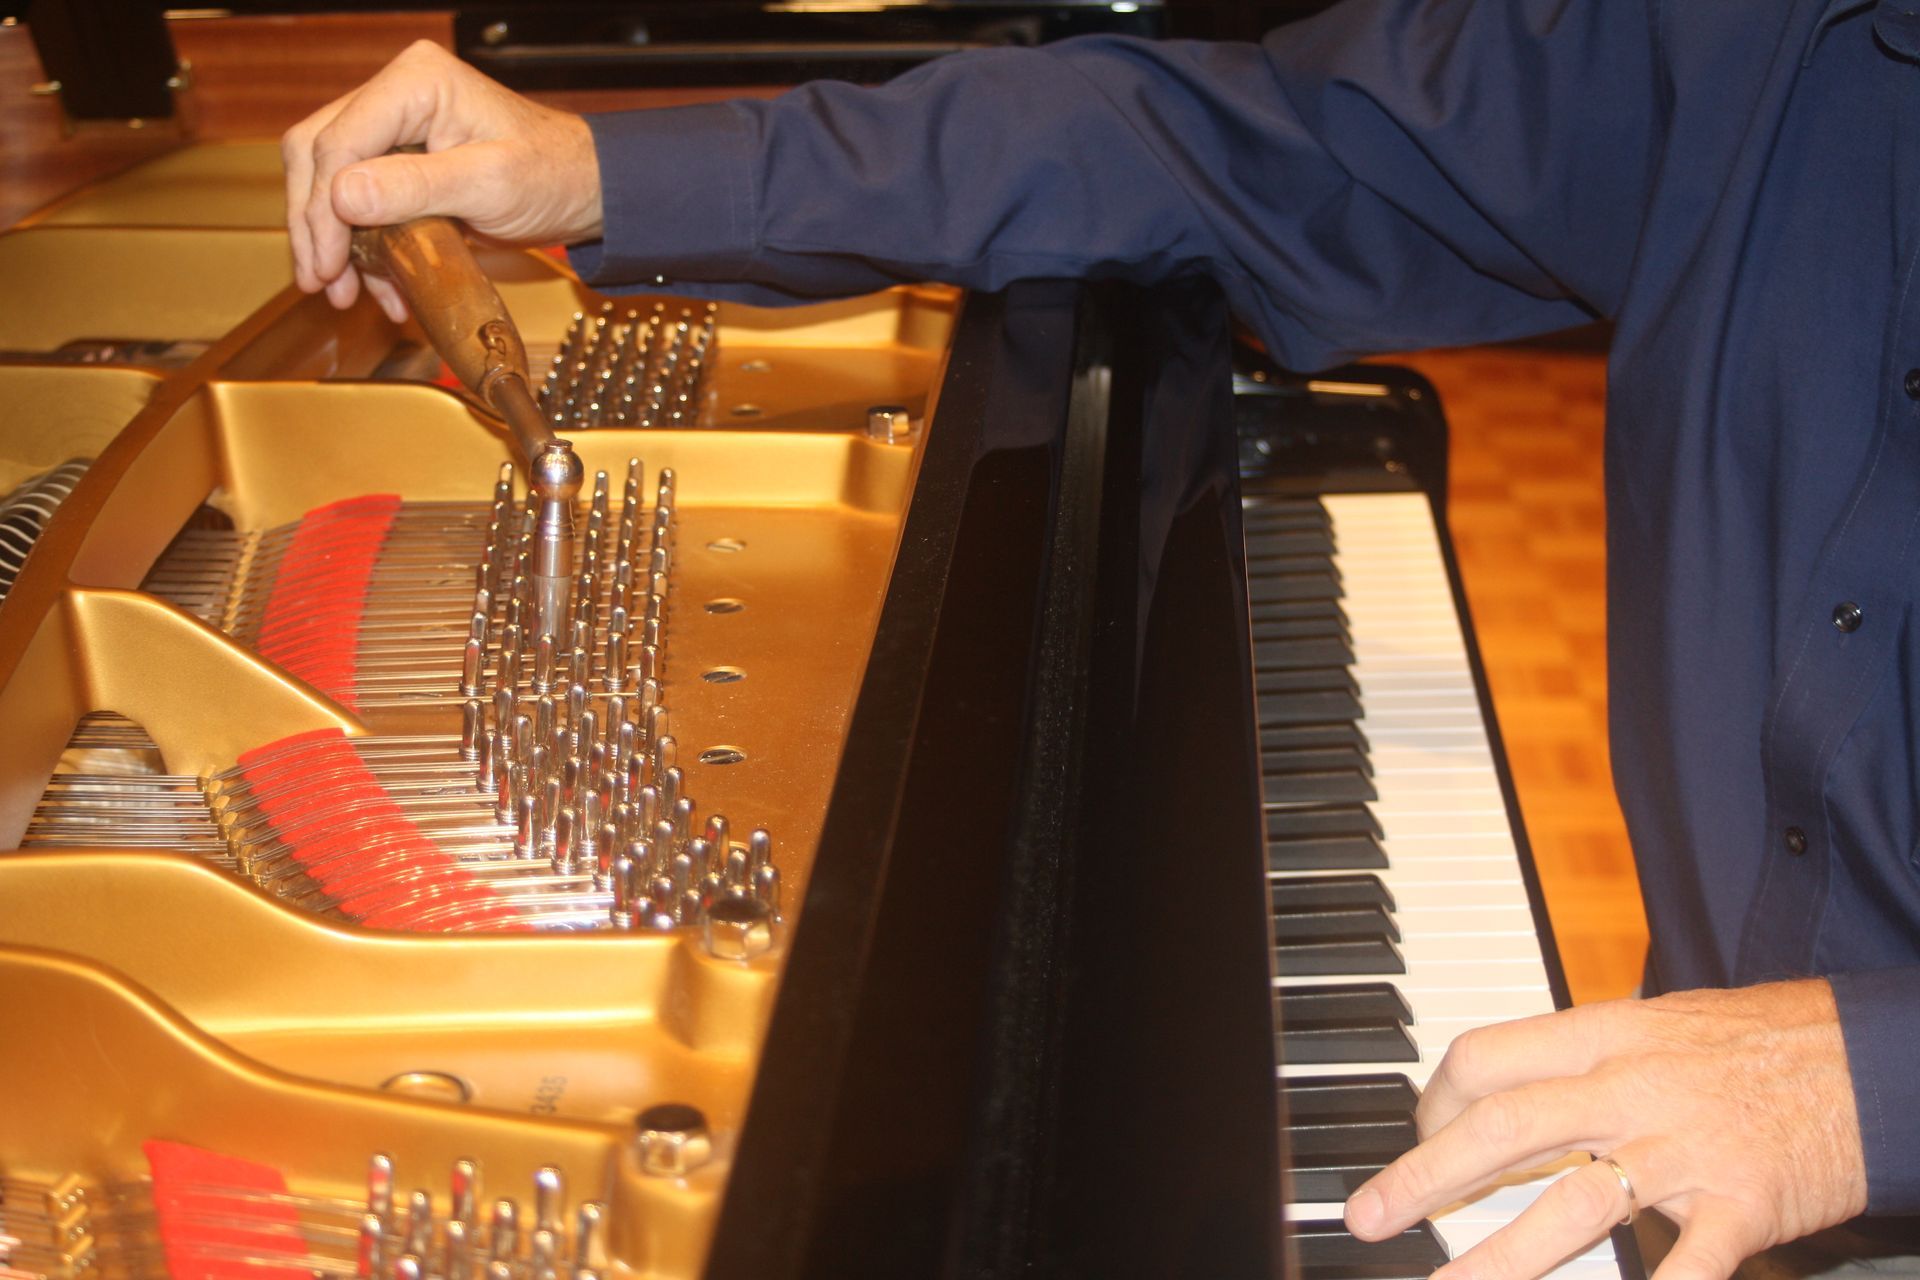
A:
(428, 260)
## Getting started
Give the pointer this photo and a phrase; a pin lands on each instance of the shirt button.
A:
(1796, 841)
(1847, 616)
(1913, 384)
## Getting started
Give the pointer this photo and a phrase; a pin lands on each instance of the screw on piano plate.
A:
(495, 33)
(671, 1140)
(738, 929)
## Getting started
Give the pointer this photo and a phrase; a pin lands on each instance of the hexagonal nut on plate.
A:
(739, 929)
(888, 423)
(671, 1140)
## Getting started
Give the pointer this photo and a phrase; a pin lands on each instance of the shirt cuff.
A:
(677, 198)
(1880, 1021)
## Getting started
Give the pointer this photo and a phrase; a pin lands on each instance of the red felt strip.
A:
(360, 847)
(217, 1219)
(311, 625)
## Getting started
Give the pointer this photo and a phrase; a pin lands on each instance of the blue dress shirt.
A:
(1736, 183)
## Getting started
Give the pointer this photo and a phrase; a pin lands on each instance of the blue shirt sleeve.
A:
(1880, 1020)
(1392, 174)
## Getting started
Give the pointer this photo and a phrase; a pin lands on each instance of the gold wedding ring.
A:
(1626, 1185)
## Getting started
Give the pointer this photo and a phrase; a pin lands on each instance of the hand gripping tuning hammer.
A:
(461, 312)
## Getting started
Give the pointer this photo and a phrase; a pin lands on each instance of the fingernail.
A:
(1365, 1211)
(355, 189)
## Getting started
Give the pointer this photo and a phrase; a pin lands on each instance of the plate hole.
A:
(439, 1086)
(726, 544)
(722, 755)
(723, 675)
(725, 604)
(756, 366)
(745, 411)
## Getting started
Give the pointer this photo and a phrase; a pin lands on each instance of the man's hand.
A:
(512, 169)
(1730, 1111)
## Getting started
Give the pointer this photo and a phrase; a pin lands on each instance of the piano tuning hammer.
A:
(428, 260)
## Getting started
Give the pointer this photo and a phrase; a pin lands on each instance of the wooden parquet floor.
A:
(1527, 512)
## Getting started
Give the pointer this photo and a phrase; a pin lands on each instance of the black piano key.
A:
(1366, 953)
(1326, 1251)
(1298, 618)
(1326, 853)
(1323, 1097)
(1308, 776)
(1309, 707)
(1326, 820)
(1301, 893)
(1296, 737)
(1324, 838)
(1334, 922)
(1270, 512)
(1270, 588)
(1329, 650)
(1342, 1130)
(1289, 540)
(1289, 680)
(1344, 1022)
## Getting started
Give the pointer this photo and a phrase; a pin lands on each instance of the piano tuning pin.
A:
(766, 886)
(485, 778)
(459, 1249)
(604, 845)
(373, 1244)
(504, 1239)
(665, 753)
(682, 819)
(717, 832)
(526, 828)
(463, 1189)
(739, 867)
(669, 782)
(590, 1237)
(623, 915)
(680, 873)
(380, 1186)
(616, 673)
(563, 842)
(576, 700)
(543, 664)
(419, 1237)
(549, 1198)
(471, 721)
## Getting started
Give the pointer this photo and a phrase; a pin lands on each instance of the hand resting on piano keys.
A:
(1730, 1111)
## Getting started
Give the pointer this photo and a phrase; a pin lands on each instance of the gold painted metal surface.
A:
(63, 284)
(219, 184)
(57, 412)
(260, 1030)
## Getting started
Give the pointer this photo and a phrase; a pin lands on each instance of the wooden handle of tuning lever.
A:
(429, 262)
(458, 307)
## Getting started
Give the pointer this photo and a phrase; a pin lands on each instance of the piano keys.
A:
(1404, 910)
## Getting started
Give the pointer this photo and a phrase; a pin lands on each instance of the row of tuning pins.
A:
(617, 608)
(412, 1241)
(619, 370)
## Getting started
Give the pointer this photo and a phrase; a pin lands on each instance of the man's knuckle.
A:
(1498, 1120)
(1590, 1202)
